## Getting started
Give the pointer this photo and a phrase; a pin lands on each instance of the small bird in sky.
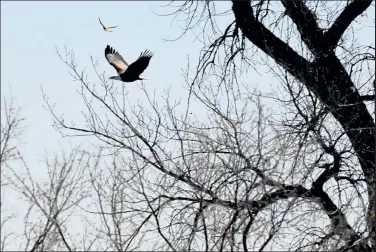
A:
(107, 29)
(127, 73)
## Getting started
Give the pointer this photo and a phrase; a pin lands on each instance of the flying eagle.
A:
(107, 29)
(127, 73)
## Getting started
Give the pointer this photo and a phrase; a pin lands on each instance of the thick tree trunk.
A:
(325, 76)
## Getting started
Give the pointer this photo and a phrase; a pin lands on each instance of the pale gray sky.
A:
(31, 30)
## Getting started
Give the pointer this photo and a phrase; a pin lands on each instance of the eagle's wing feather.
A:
(139, 66)
(101, 23)
(115, 59)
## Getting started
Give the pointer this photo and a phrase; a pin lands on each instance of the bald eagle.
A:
(127, 73)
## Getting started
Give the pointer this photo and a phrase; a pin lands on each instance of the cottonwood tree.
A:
(329, 79)
(183, 184)
(245, 175)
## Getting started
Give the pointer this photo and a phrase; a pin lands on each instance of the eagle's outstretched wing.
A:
(115, 59)
(104, 27)
(139, 66)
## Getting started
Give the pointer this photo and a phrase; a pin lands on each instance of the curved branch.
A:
(348, 15)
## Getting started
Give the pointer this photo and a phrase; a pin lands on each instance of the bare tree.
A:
(12, 127)
(328, 79)
(50, 203)
(242, 175)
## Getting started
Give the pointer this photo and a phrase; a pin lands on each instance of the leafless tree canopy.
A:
(290, 168)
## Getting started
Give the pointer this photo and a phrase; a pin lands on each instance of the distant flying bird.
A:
(107, 29)
(127, 73)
